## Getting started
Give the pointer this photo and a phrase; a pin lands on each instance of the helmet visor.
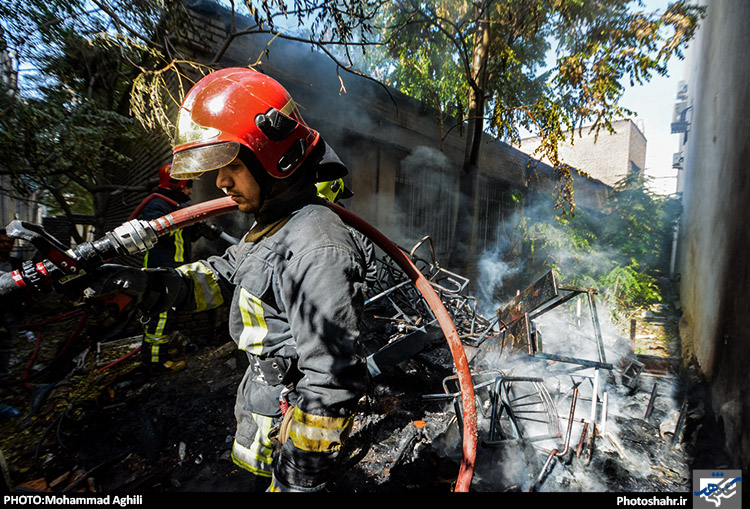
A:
(193, 162)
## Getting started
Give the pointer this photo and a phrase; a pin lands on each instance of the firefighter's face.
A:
(237, 181)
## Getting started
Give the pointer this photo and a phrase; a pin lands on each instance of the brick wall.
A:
(608, 157)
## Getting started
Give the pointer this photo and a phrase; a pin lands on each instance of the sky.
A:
(654, 102)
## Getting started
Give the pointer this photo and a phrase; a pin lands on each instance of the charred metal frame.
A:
(631, 370)
(500, 403)
(518, 333)
(394, 298)
(504, 401)
(539, 298)
(516, 408)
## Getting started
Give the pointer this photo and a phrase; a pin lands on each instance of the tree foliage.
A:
(332, 27)
(623, 250)
(65, 125)
(95, 75)
(92, 66)
(487, 64)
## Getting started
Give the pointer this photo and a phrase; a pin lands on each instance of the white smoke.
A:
(493, 272)
(423, 204)
(570, 330)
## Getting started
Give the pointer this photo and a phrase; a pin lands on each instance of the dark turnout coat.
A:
(296, 298)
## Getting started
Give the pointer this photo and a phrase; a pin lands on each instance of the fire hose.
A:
(449, 330)
(62, 266)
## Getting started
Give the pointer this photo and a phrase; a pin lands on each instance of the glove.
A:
(210, 231)
(112, 279)
(153, 290)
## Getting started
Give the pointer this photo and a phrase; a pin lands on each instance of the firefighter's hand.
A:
(210, 231)
(109, 280)
(152, 290)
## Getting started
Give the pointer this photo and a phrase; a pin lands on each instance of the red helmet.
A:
(167, 182)
(234, 107)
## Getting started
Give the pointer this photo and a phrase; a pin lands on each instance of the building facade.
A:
(714, 238)
(608, 156)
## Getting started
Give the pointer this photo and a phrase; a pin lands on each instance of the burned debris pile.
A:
(563, 402)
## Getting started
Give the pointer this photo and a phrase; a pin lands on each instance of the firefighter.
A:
(294, 283)
(171, 250)
(11, 311)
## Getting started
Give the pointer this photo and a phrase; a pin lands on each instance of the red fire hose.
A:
(451, 335)
(182, 218)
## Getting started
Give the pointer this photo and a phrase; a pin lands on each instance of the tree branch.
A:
(120, 24)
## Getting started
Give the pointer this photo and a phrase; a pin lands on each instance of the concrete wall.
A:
(403, 182)
(715, 232)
